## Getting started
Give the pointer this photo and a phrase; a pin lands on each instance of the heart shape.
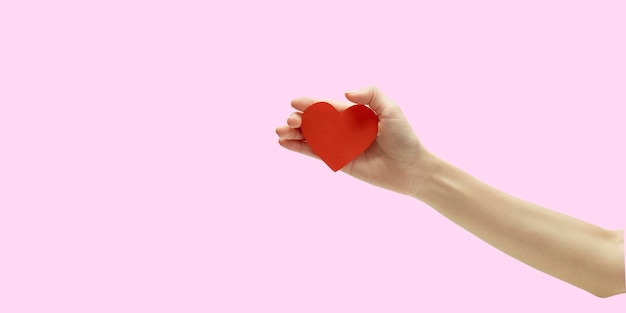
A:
(338, 137)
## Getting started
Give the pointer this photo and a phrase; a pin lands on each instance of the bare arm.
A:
(572, 250)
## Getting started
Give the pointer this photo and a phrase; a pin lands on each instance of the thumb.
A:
(374, 98)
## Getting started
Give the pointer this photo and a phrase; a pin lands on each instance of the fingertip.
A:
(356, 95)
(354, 91)
(371, 96)
(302, 103)
(297, 146)
(349, 95)
(294, 120)
(280, 131)
(287, 144)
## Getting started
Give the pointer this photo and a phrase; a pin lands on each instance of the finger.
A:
(295, 120)
(297, 146)
(304, 102)
(288, 133)
(373, 97)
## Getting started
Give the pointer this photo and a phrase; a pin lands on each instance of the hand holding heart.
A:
(392, 161)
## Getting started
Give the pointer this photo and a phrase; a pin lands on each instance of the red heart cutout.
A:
(339, 137)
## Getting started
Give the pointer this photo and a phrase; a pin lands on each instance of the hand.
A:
(393, 161)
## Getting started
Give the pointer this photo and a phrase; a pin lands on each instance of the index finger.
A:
(303, 103)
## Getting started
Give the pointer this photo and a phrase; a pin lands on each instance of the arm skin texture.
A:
(582, 254)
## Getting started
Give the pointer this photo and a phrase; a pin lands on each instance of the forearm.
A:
(572, 250)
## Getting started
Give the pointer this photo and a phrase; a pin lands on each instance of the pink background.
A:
(140, 171)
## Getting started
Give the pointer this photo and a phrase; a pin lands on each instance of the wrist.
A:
(435, 178)
(424, 175)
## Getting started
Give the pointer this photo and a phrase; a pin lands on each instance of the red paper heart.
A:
(339, 137)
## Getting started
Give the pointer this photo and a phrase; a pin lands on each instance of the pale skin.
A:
(582, 254)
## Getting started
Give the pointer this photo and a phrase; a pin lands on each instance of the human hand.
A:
(393, 161)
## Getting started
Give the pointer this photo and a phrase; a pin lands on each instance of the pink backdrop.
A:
(140, 172)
